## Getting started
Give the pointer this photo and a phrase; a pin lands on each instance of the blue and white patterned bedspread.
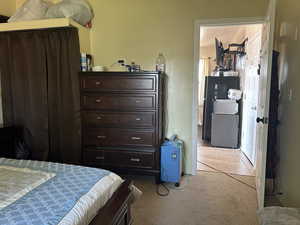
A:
(52, 200)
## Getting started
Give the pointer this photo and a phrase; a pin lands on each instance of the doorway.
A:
(228, 97)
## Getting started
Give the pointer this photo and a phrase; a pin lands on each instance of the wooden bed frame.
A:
(117, 211)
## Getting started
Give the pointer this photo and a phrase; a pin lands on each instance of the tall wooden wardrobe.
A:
(40, 91)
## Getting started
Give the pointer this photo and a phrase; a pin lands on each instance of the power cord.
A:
(167, 188)
(170, 186)
(228, 174)
(166, 193)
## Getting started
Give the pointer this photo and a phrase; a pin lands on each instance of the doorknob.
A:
(263, 120)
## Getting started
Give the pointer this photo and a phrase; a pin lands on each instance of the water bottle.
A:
(161, 63)
(83, 62)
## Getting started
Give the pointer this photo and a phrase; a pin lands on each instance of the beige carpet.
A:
(231, 161)
(226, 160)
(206, 199)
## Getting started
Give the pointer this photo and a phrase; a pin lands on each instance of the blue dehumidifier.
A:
(171, 161)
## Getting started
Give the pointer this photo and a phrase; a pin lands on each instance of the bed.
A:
(37, 193)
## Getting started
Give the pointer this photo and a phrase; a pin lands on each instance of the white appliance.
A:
(225, 124)
(225, 131)
(234, 94)
(226, 106)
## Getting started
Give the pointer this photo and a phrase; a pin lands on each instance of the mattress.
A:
(33, 192)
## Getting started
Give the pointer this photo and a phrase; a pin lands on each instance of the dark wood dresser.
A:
(122, 121)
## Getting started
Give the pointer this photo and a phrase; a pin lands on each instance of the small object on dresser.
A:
(83, 62)
(3, 19)
(89, 62)
(161, 63)
(138, 68)
(98, 68)
(134, 67)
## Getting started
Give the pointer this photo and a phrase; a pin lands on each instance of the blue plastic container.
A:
(171, 161)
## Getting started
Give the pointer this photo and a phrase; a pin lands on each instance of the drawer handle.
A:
(98, 83)
(138, 119)
(99, 118)
(100, 158)
(136, 138)
(138, 101)
(101, 137)
(135, 160)
(98, 100)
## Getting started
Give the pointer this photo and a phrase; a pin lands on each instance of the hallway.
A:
(225, 160)
(231, 161)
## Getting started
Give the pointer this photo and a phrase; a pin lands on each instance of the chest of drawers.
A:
(122, 121)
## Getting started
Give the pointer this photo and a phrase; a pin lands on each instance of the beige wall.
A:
(209, 52)
(140, 29)
(7, 7)
(289, 47)
(19, 3)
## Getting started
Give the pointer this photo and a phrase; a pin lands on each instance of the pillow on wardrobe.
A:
(31, 10)
(78, 10)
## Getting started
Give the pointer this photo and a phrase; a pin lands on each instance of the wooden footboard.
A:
(117, 210)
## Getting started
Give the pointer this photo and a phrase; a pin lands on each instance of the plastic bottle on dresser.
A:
(83, 62)
(161, 63)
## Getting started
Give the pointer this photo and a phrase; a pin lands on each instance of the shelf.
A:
(84, 33)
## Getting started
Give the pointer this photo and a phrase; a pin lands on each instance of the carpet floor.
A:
(209, 198)
(225, 160)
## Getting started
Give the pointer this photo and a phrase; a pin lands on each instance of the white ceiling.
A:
(226, 34)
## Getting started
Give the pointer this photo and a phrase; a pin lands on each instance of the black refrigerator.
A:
(215, 88)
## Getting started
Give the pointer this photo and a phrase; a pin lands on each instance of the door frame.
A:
(264, 112)
(208, 23)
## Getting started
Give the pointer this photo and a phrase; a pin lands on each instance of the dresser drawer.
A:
(119, 158)
(131, 83)
(98, 119)
(118, 102)
(107, 137)
(93, 157)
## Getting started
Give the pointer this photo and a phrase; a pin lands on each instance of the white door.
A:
(264, 100)
(203, 71)
(250, 113)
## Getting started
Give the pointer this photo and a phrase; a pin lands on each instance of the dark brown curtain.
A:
(40, 90)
